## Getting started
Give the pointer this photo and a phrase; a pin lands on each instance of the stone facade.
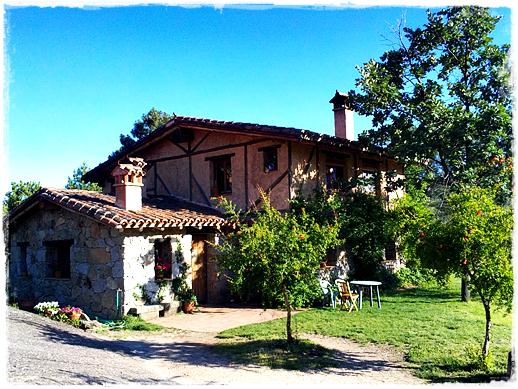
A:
(111, 271)
(96, 261)
(140, 286)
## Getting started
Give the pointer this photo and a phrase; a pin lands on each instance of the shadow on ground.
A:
(303, 356)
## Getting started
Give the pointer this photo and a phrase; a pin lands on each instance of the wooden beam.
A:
(186, 151)
(223, 156)
(201, 141)
(163, 183)
(272, 186)
(318, 164)
(155, 178)
(308, 163)
(190, 170)
(213, 149)
(269, 147)
(290, 174)
(246, 176)
(205, 197)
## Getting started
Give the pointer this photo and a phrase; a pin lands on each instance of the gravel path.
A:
(42, 351)
(45, 352)
(187, 358)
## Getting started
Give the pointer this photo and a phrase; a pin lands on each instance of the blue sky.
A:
(78, 78)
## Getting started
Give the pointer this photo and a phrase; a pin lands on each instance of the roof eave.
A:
(303, 136)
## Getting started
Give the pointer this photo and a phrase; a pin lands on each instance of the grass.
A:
(436, 332)
(276, 354)
(130, 323)
(134, 323)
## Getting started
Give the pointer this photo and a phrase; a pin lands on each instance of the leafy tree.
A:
(472, 235)
(362, 221)
(148, 123)
(363, 226)
(276, 254)
(76, 182)
(441, 100)
(19, 192)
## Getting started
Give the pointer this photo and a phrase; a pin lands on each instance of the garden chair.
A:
(327, 290)
(347, 297)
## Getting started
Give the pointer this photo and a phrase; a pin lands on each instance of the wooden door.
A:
(199, 268)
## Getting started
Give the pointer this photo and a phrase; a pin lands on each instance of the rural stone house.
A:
(100, 251)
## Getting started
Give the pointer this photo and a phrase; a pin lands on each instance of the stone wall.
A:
(140, 286)
(110, 271)
(96, 267)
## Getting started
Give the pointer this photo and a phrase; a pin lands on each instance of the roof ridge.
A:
(218, 121)
(101, 208)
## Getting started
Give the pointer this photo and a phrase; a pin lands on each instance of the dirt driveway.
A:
(217, 319)
(184, 354)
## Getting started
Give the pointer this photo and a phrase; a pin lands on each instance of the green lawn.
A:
(436, 331)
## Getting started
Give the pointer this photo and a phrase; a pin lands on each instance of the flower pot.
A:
(188, 306)
(75, 316)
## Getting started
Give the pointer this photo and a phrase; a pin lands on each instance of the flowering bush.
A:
(68, 310)
(70, 313)
(49, 308)
(52, 310)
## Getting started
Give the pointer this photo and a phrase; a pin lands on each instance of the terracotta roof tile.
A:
(155, 213)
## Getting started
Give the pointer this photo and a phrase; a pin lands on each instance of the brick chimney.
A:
(128, 184)
(344, 124)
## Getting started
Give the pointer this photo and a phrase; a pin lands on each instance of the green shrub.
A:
(134, 323)
(411, 276)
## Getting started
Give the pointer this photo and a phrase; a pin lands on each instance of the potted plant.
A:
(72, 313)
(188, 299)
(183, 292)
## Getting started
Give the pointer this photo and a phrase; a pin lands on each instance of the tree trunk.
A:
(464, 292)
(485, 348)
(288, 318)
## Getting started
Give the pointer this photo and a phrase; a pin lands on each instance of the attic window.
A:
(57, 253)
(270, 158)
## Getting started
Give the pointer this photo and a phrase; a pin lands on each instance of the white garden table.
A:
(370, 284)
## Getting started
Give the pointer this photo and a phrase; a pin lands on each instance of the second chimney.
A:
(344, 124)
(128, 184)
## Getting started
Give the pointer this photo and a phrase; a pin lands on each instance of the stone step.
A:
(147, 312)
(170, 308)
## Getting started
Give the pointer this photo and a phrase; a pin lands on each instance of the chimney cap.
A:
(340, 100)
(130, 166)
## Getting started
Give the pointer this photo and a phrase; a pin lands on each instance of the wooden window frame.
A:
(270, 156)
(216, 163)
(163, 256)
